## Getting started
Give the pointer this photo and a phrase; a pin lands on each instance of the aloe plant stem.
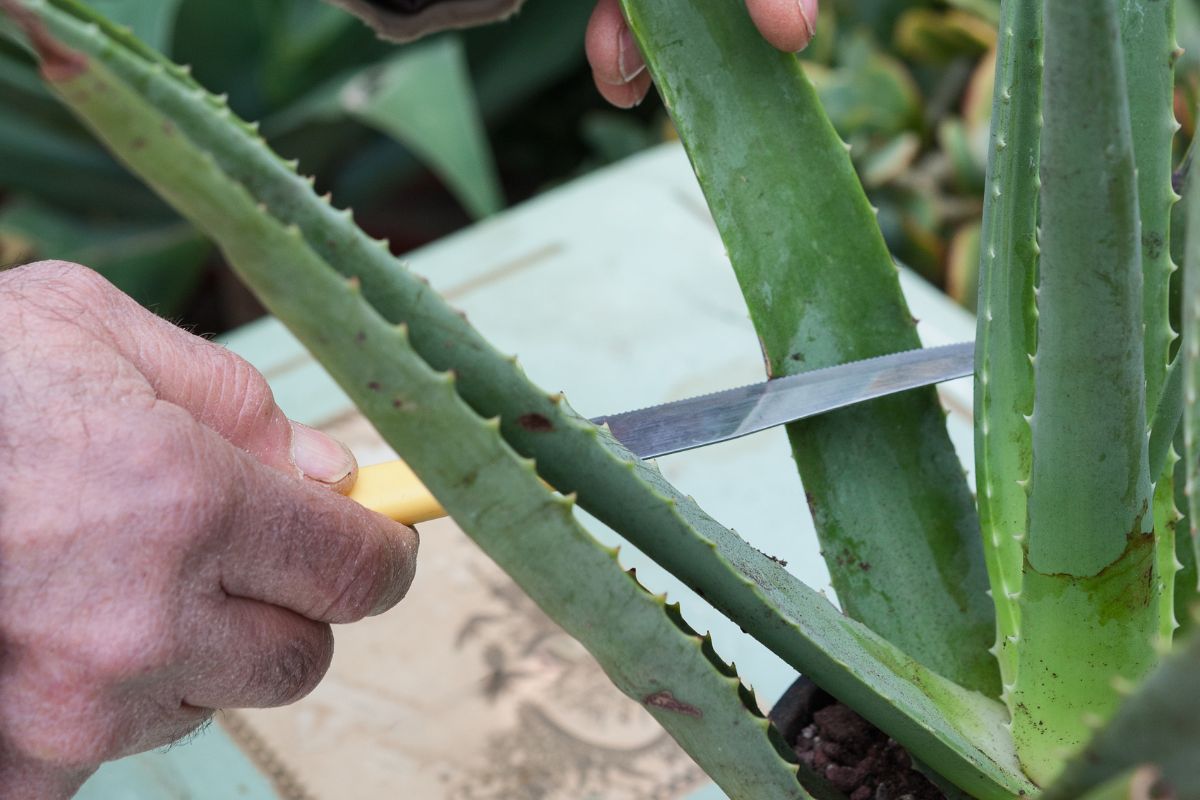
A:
(1007, 318)
(1089, 603)
(886, 490)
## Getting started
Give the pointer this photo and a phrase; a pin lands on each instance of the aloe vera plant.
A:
(1040, 689)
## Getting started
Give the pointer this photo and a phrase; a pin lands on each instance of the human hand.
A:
(169, 542)
(618, 68)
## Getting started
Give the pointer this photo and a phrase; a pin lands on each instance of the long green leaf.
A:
(1190, 355)
(423, 98)
(886, 490)
(1007, 320)
(1089, 603)
(1149, 47)
(958, 732)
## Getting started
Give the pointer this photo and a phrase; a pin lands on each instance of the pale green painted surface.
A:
(208, 767)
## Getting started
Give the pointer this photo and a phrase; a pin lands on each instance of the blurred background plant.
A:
(424, 138)
(419, 140)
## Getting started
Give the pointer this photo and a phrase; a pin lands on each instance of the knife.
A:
(394, 490)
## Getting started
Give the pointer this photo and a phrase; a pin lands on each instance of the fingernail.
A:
(808, 14)
(319, 456)
(629, 57)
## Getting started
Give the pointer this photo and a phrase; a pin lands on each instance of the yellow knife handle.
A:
(394, 490)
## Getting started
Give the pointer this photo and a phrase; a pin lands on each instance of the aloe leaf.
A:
(642, 643)
(1150, 51)
(902, 545)
(1166, 419)
(1149, 48)
(1089, 602)
(956, 731)
(1190, 356)
(1157, 724)
(423, 98)
(1006, 333)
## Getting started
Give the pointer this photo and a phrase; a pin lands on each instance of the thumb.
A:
(322, 458)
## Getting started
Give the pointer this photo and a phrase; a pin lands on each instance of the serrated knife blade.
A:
(674, 427)
(730, 414)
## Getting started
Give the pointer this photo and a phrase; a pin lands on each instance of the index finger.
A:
(297, 545)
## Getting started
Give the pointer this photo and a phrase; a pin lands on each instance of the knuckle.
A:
(297, 667)
(62, 286)
(237, 400)
(376, 572)
(256, 394)
(350, 596)
(253, 396)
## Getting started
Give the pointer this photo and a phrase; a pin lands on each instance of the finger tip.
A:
(406, 542)
(788, 25)
(622, 95)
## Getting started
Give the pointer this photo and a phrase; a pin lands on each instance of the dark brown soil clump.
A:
(859, 759)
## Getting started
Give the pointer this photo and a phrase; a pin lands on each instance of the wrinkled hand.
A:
(618, 68)
(169, 542)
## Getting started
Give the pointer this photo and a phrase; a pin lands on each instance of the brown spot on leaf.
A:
(666, 701)
(535, 423)
(374, 386)
(59, 62)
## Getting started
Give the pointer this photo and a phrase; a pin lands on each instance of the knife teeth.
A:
(947, 348)
(672, 427)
